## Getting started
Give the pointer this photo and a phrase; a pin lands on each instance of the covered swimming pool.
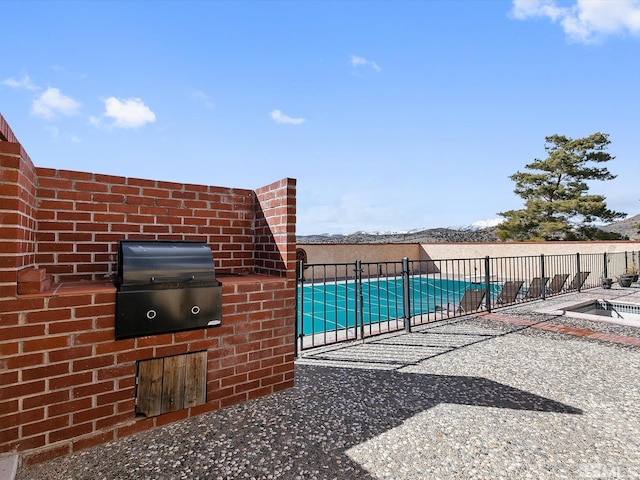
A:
(340, 305)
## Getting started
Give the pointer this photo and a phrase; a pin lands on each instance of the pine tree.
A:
(555, 191)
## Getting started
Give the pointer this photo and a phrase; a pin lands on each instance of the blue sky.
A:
(391, 115)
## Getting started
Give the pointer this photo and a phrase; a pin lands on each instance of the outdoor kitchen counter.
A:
(107, 286)
(75, 288)
(249, 278)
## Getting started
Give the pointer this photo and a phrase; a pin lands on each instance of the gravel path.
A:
(467, 398)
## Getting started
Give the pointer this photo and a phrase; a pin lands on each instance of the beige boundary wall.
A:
(385, 252)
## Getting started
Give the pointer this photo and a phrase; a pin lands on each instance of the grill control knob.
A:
(151, 314)
(195, 310)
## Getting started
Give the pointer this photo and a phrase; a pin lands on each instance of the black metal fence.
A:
(347, 301)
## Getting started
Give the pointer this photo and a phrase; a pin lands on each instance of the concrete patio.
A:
(512, 394)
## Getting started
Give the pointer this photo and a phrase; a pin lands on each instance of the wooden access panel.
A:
(171, 383)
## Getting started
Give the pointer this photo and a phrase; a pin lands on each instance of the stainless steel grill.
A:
(165, 286)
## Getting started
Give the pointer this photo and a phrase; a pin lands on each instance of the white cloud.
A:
(52, 102)
(585, 21)
(349, 213)
(126, 113)
(204, 98)
(56, 135)
(280, 117)
(24, 82)
(357, 61)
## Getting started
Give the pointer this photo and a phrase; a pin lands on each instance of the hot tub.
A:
(622, 313)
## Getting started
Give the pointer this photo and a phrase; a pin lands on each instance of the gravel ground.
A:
(465, 398)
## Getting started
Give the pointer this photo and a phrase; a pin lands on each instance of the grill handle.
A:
(184, 278)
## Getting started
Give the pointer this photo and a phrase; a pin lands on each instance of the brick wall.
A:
(81, 216)
(65, 382)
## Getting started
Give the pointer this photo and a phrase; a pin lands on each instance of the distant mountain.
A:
(627, 227)
(431, 235)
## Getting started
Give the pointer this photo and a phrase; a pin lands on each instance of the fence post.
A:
(543, 280)
(626, 262)
(359, 300)
(487, 283)
(406, 299)
(297, 309)
(605, 270)
(578, 270)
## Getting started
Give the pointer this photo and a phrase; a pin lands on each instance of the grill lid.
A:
(163, 263)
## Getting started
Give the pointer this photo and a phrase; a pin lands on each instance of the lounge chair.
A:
(557, 282)
(578, 281)
(509, 292)
(471, 300)
(536, 287)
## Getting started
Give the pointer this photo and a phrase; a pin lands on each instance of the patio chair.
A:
(557, 282)
(535, 287)
(471, 301)
(509, 292)
(578, 281)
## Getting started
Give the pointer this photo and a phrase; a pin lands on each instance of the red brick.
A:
(8, 434)
(113, 420)
(93, 440)
(117, 371)
(115, 346)
(171, 350)
(70, 380)
(8, 407)
(46, 343)
(70, 353)
(284, 350)
(172, 417)
(44, 426)
(92, 414)
(45, 372)
(204, 408)
(45, 399)
(93, 337)
(260, 392)
(139, 425)
(260, 354)
(285, 368)
(189, 336)
(139, 200)
(154, 340)
(31, 274)
(25, 416)
(70, 432)
(234, 399)
(134, 355)
(126, 406)
(204, 345)
(93, 389)
(272, 361)
(63, 408)
(76, 325)
(7, 349)
(92, 363)
(48, 315)
(23, 331)
(24, 360)
(25, 444)
(234, 380)
(42, 455)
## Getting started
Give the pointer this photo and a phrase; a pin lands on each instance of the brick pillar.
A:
(17, 211)
(275, 229)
